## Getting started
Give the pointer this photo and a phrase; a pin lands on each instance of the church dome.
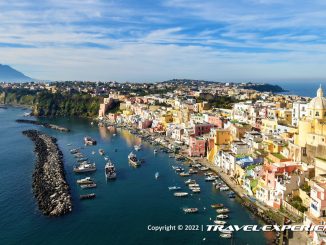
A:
(319, 102)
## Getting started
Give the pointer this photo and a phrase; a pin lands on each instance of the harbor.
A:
(111, 206)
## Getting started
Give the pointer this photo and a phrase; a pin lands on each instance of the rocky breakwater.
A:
(46, 125)
(49, 185)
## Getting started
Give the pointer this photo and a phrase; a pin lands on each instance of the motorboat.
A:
(89, 141)
(190, 210)
(110, 172)
(174, 188)
(88, 186)
(217, 205)
(222, 210)
(180, 194)
(132, 158)
(184, 174)
(222, 216)
(85, 167)
(219, 222)
(85, 181)
(223, 235)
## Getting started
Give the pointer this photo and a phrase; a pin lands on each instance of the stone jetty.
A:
(46, 125)
(49, 185)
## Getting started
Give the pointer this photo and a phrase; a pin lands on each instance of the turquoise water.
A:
(122, 210)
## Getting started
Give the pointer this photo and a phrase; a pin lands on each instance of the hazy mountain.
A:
(8, 74)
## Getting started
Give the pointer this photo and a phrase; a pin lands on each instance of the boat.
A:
(85, 167)
(180, 194)
(222, 216)
(101, 152)
(195, 190)
(224, 231)
(179, 169)
(88, 186)
(210, 178)
(222, 210)
(132, 158)
(106, 158)
(204, 168)
(157, 175)
(83, 159)
(184, 174)
(192, 171)
(223, 235)
(89, 141)
(190, 181)
(114, 134)
(174, 188)
(219, 222)
(85, 181)
(224, 188)
(74, 151)
(193, 185)
(110, 172)
(137, 147)
(155, 151)
(87, 196)
(190, 210)
(93, 152)
(231, 194)
(217, 205)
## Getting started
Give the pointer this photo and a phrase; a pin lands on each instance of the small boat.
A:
(157, 174)
(132, 158)
(174, 167)
(69, 144)
(93, 152)
(82, 159)
(190, 181)
(155, 151)
(88, 186)
(174, 188)
(101, 152)
(204, 168)
(110, 172)
(87, 196)
(180, 194)
(222, 216)
(210, 178)
(179, 169)
(85, 167)
(85, 181)
(106, 158)
(222, 210)
(192, 171)
(219, 222)
(114, 134)
(224, 188)
(225, 231)
(193, 185)
(74, 151)
(231, 194)
(195, 190)
(217, 205)
(184, 174)
(223, 235)
(89, 141)
(190, 210)
(137, 147)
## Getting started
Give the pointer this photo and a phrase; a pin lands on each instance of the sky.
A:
(156, 40)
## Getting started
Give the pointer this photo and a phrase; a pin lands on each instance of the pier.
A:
(46, 125)
(49, 185)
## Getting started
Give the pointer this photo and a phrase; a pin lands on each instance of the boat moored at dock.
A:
(85, 167)
(132, 158)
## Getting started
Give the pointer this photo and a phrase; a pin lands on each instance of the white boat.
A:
(204, 168)
(85, 167)
(174, 188)
(222, 216)
(219, 222)
(132, 158)
(180, 194)
(193, 185)
(195, 190)
(222, 210)
(137, 147)
(114, 134)
(110, 172)
(155, 151)
(224, 188)
(210, 178)
(184, 174)
(89, 141)
(88, 186)
(85, 181)
(223, 235)
(225, 231)
(157, 174)
(101, 152)
(190, 181)
(190, 210)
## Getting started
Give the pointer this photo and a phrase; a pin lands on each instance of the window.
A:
(317, 114)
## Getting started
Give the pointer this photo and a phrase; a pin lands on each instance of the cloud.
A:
(146, 40)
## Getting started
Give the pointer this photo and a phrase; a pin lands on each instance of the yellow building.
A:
(312, 129)
(222, 137)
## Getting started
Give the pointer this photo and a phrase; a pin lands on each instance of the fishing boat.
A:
(88, 186)
(222, 210)
(85, 181)
(223, 235)
(157, 174)
(85, 167)
(89, 141)
(222, 216)
(110, 172)
(132, 158)
(190, 210)
(184, 174)
(174, 188)
(87, 196)
(180, 194)
(219, 222)
(217, 205)
(101, 152)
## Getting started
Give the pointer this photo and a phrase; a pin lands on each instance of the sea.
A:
(302, 88)
(124, 210)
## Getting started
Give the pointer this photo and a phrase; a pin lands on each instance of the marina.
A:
(112, 196)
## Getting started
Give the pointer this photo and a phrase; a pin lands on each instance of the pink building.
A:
(216, 121)
(202, 128)
(145, 124)
(197, 147)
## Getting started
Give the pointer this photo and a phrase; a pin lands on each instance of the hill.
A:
(9, 74)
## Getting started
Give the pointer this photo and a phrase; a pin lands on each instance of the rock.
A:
(49, 185)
